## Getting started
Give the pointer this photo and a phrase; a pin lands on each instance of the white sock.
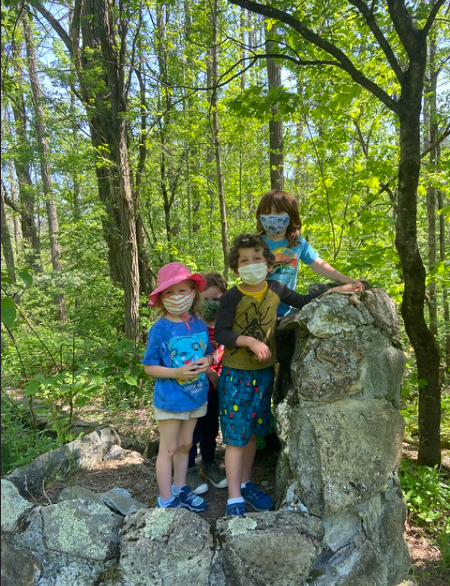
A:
(164, 502)
(239, 499)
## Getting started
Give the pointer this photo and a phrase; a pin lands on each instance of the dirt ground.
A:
(136, 473)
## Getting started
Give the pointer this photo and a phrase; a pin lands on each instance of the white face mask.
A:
(253, 274)
(178, 304)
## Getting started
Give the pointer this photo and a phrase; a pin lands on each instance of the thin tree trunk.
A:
(243, 78)
(8, 252)
(22, 167)
(75, 180)
(299, 133)
(42, 142)
(165, 103)
(146, 280)
(443, 247)
(216, 139)
(431, 135)
(276, 136)
(17, 227)
(210, 164)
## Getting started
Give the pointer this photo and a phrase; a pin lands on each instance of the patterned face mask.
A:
(208, 309)
(274, 224)
(178, 304)
(253, 274)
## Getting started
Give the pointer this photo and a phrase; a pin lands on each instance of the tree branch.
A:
(378, 34)
(404, 26)
(436, 142)
(54, 23)
(8, 201)
(432, 16)
(321, 43)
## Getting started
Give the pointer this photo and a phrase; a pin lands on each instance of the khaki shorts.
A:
(183, 415)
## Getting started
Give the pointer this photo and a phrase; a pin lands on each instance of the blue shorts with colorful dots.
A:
(244, 401)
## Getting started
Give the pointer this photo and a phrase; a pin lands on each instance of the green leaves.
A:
(427, 496)
(9, 312)
(257, 102)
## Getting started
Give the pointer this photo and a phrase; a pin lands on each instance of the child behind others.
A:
(178, 354)
(246, 326)
(207, 428)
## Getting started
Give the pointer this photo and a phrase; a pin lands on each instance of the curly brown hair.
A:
(249, 241)
(281, 201)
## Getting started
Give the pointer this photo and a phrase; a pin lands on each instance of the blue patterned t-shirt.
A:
(174, 344)
(287, 258)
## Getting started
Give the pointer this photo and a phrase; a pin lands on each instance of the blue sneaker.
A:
(235, 509)
(256, 498)
(173, 504)
(189, 500)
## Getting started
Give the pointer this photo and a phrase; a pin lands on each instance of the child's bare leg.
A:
(181, 458)
(249, 459)
(234, 463)
(168, 445)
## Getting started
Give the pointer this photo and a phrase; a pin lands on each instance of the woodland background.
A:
(138, 133)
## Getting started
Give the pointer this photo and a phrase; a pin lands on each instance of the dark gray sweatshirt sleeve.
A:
(223, 333)
(291, 297)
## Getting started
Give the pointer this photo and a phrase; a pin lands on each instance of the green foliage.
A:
(427, 495)
(20, 443)
(107, 376)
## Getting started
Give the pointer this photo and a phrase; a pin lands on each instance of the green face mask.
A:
(208, 309)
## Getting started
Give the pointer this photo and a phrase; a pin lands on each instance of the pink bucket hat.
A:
(171, 274)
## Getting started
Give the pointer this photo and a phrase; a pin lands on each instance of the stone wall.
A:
(341, 431)
(340, 514)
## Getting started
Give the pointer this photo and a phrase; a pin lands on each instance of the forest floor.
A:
(136, 473)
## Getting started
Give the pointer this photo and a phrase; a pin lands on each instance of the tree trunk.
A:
(22, 167)
(422, 339)
(216, 139)
(119, 176)
(41, 136)
(102, 58)
(443, 247)
(75, 180)
(299, 135)
(146, 280)
(431, 135)
(6, 242)
(276, 137)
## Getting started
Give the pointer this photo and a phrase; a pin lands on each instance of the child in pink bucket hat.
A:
(170, 274)
(177, 355)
